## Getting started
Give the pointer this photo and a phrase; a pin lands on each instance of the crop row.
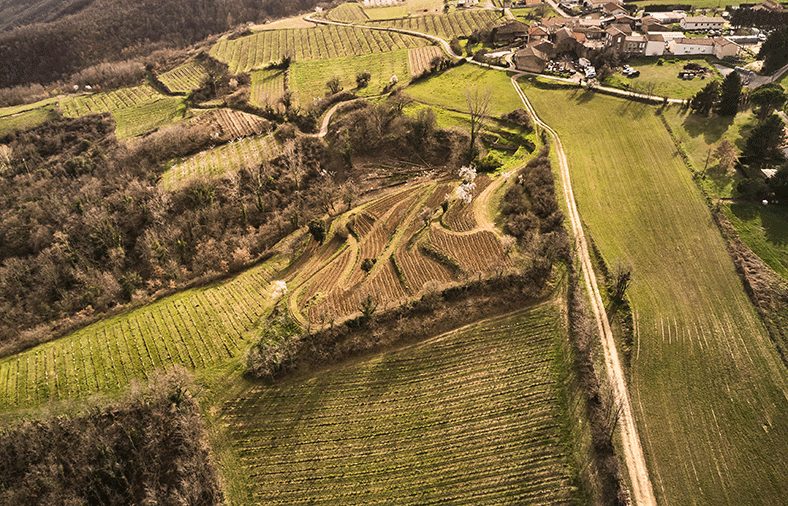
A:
(184, 78)
(450, 25)
(196, 328)
(268, 87)
(81, 105)
(420, 59)
(257, 50)
(225, 159)
(347, 12)
(430, 423)
(232, 124)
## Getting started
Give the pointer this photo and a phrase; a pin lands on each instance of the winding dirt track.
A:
(642, 490)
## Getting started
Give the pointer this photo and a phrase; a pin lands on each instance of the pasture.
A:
(662, 80)
(184, 78)
(474, 416)
(195, 328)
(24, 119)
(308, 78)
(707, 386)
(324, 42)
(219, 161)
(136, 110)
(447, 26)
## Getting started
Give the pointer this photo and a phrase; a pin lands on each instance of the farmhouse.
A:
(531, 59)
(511, 31)
(702, 23)
(691, 46)
(723, 48)
(769, 6)
(537, 33)
(655, 45)
(634, 44)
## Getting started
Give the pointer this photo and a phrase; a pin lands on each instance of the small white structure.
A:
(667, 18)
(691, 46)
(702, 23)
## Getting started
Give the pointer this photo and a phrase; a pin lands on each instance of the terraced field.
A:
(447, 26)
(136, 110)
(469, 417)
(420, 59)
(308, 78)
(347, 12)
(233, 124)
(184, 78)
(324, 42)
(331, 283)
(708, 389)
(225, 159)
(195, 328)
(268, 86)
(379, 10)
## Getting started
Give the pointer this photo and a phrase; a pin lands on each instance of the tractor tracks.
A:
(642, 490)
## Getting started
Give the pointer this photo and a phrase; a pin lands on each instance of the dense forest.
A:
(46, 52)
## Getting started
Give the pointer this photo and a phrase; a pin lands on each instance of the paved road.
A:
(642, 490)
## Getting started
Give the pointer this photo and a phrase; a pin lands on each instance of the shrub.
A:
(489, 163)
(367, 264)
(362, 79)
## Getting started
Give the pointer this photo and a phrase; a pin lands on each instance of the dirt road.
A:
(642, 490)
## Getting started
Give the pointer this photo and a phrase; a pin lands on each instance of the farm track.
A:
(642, 489)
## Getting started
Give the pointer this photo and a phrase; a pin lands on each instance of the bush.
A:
(367, 264)
(274, 353)
(489, 163)
(362, 79)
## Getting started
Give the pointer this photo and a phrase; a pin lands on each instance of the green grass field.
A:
(663, 78)
(23, 120)
(449, 89)
(136, 110)
(765, 230)
(324, 42)
(469, 417)
(308, 78)
(707, 386)
(196, 328)
(448, 26)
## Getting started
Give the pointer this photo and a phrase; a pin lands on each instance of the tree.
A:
(334, 86)
(318, 230)
(730, 94)
(767, 99)
(478, 105)
(725, 154)
(704, 100)
(762, 148)
(362, 79)
(774, 50)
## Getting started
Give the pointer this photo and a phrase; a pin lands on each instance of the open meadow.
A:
(473, 416)
(17, 118)
(662, 79)
(707, 386)
(324, 42)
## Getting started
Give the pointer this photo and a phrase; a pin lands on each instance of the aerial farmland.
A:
(393, 252)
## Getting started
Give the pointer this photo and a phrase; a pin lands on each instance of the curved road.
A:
(642, 490)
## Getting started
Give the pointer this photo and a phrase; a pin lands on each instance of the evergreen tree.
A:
(774, 50)
(768, 98)
(704, 100)
(763, 146)
(730, 95)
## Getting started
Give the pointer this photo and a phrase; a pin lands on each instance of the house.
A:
(668, 18)
(530, 59)
(691, 46)
(634, 44)
(624, 19)
(724, 48)
(652, 24)
(655, 45)
(615, 37)
(611, 9)
(511, 31)
(702, 23)
(537, 33)
(594, 5)
(546, 47)
(769, 6)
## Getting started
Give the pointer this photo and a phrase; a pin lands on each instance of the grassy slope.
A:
(473, 416)
(763, 229)
(449, 89)
(308, 78)
(24, 120)
(707, 386)
(409, 7)
(664, 77)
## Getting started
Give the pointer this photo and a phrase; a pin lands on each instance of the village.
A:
(587, 34)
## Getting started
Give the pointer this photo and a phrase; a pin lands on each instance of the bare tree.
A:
(294, 161)
(726, 155)
(478, 106)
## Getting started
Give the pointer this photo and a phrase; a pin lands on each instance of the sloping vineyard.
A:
(420, 59)
(268, 87)
(449, 25)
(184, 78)
(225, 159)
(257, 50)
(232, 124)
(136, 110)
(196, 328)
(431, 423)
(347, 12)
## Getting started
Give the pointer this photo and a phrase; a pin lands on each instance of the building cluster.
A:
(610, 26)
